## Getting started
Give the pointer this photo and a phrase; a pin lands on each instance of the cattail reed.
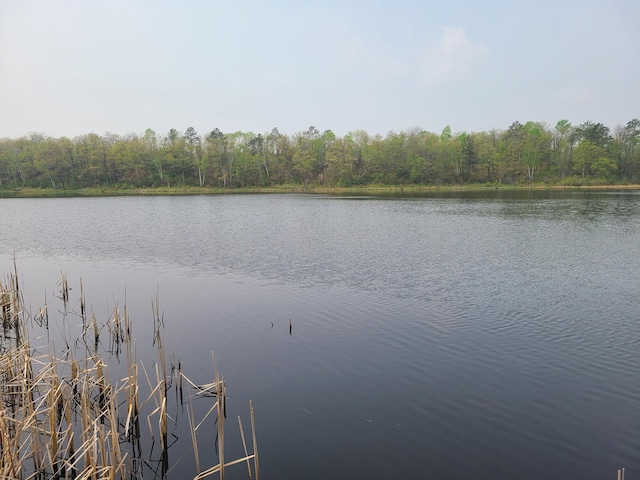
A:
(42, 315)
(83, 310)
(64, 291)
(5, 310)
(96, 334)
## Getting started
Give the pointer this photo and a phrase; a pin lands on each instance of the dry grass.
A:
(62, 417)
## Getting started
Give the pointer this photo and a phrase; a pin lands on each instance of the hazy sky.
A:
(76, 66)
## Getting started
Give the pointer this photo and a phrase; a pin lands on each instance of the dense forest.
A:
(524, 153)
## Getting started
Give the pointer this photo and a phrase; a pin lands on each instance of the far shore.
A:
(319, 189)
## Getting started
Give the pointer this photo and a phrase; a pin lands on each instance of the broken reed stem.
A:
(42, 315)
(53, 400)
(244, 445)
(163, 424)
(255, 440)
(194, 440)
(220, 419)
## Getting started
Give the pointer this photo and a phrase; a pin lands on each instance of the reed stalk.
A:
(244, 445)
(64, 291)
(221, 414)
(194, 439)
(42, 315)
(96, 334)
(62, 418)
(255, 440)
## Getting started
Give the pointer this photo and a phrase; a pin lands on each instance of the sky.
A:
(71, 67)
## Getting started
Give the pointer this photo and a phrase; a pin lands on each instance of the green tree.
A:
(341, 161)
(176, 158)
(217, 150)
(489, 158)
(307, 160)
(154, 156)
(469, 155)
(591, 159)
(194, 150)
(535, 148)
(515, 139)
(321, 145)
(626, 143)
(395, 162)
(562, 146)
(273, 153)
(445, 141)
(362, 164)
(136, 165)
(423, 148)
(595, 133)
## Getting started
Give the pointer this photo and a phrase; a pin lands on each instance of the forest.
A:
(585, 154)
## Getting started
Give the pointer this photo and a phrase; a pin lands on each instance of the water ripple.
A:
(472, 337)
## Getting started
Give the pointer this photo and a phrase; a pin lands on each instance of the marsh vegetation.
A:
(63, 416)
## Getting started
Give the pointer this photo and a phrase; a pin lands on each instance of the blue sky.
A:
(72, 67)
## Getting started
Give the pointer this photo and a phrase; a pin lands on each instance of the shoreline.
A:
(312, 189)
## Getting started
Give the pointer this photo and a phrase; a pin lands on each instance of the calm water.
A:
(467, 336)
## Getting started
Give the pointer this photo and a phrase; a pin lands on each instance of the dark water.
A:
(453, 336)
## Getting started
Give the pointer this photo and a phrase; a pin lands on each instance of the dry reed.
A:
(62, 417)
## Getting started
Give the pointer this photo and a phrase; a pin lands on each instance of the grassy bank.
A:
(364, 189)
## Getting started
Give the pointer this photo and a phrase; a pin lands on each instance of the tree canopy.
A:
(524, 152)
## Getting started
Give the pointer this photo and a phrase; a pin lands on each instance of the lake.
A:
(467, 335)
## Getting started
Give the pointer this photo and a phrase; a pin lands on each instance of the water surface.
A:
(473, 335)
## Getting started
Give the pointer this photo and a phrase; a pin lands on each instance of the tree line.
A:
(529, 152)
